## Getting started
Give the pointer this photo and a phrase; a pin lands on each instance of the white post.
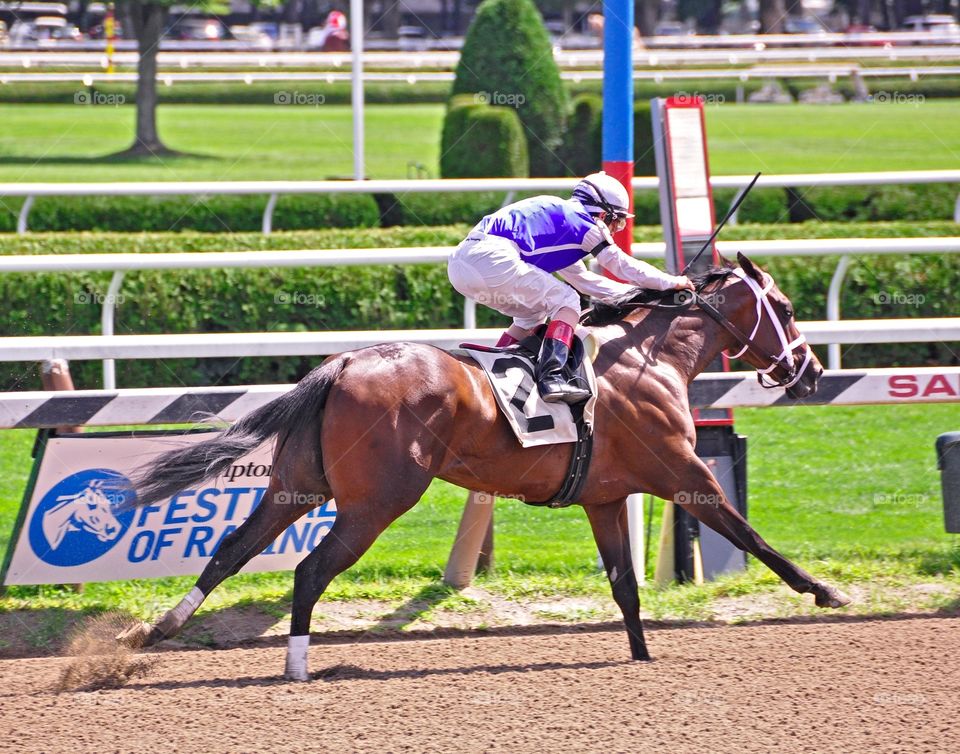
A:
(833, 307)
(106, 326)
(356, 79)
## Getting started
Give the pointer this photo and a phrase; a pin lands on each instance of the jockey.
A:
(507, 262)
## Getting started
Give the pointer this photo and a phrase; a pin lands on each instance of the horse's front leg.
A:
(697, 491)
(609, 524)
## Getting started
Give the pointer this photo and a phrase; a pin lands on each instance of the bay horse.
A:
(373, 427)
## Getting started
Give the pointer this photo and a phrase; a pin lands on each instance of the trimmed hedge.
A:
(507, 58)
(582, 151)
(388, 297)
(583, 140)
(212, 214)
(387, 93)
(480, 141)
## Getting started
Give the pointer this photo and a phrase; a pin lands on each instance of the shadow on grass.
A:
(116, 158)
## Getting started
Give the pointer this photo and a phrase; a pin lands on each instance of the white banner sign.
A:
(72, 532)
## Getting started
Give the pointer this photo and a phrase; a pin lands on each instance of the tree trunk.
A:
(148, 21)
(772, 15)
(645, 16)
(390, 20)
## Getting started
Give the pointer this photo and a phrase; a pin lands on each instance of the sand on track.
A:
(846, 686)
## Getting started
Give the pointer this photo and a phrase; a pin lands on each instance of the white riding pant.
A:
(489, 270)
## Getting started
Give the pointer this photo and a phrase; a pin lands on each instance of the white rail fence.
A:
(830, 71)
(274, 189)
(833, 332)
(664, 51)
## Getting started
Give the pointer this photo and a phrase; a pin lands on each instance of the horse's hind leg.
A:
(609, 524)
(698, 492)
(263, 525)
(359, 522)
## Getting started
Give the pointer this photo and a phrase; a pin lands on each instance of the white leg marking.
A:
(297, 647)
(187, 606)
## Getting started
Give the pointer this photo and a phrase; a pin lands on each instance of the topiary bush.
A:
(507, 59)
(480, 141)
(582, 151)
(582, 141)
(644, 158)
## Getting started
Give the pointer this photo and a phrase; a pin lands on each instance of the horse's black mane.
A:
(602, 314)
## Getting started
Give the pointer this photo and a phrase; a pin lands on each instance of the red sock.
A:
(506, 340)
(560, 331)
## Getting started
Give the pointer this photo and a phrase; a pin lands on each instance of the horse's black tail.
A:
(178, 469)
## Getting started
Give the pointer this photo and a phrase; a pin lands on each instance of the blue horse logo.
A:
(78, 520)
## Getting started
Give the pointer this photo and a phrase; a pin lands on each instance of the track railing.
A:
(274, 189)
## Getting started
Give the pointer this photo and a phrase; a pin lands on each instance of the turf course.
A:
(69, 142)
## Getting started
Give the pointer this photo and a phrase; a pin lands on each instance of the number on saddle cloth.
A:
(519, 398)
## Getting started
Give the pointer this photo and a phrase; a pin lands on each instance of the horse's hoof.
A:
(831, 597)
(139, 635)
(296, 675)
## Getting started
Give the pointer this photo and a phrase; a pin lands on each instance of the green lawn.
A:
(852, 492)
(69, 142)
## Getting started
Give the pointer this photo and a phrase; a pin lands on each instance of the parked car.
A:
(252, 37)
(941, 27)
(43, 29)
(804, 25)
(198, 30)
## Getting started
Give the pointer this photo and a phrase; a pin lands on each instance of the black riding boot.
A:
(552, 381)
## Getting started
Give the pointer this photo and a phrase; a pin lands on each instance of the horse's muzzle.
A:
(807, 384)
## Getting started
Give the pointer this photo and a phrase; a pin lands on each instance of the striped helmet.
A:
(599, 192)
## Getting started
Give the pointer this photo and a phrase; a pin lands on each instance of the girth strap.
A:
(579, 464)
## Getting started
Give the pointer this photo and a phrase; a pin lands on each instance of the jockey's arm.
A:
(593, 285)
(600, 244)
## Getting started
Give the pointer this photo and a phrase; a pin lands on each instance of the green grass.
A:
(851, 492)
(234, 142)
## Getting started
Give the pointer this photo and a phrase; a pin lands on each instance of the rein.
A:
(748, 342)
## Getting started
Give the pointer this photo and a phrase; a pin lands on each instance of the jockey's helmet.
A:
(599, 192)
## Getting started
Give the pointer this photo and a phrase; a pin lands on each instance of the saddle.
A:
(581, 434)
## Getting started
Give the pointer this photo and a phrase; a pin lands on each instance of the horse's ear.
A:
(749, 267)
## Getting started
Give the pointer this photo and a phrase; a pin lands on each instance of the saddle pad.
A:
(534, 421)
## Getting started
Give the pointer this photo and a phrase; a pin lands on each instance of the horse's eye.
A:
(789, 312)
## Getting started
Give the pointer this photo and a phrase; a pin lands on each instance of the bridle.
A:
(783, 360)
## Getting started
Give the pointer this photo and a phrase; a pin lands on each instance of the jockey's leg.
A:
(552, 382)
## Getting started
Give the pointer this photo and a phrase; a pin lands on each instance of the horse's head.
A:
(772, 344)
(93, 512)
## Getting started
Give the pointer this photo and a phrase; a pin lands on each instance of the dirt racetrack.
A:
(852, 685)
